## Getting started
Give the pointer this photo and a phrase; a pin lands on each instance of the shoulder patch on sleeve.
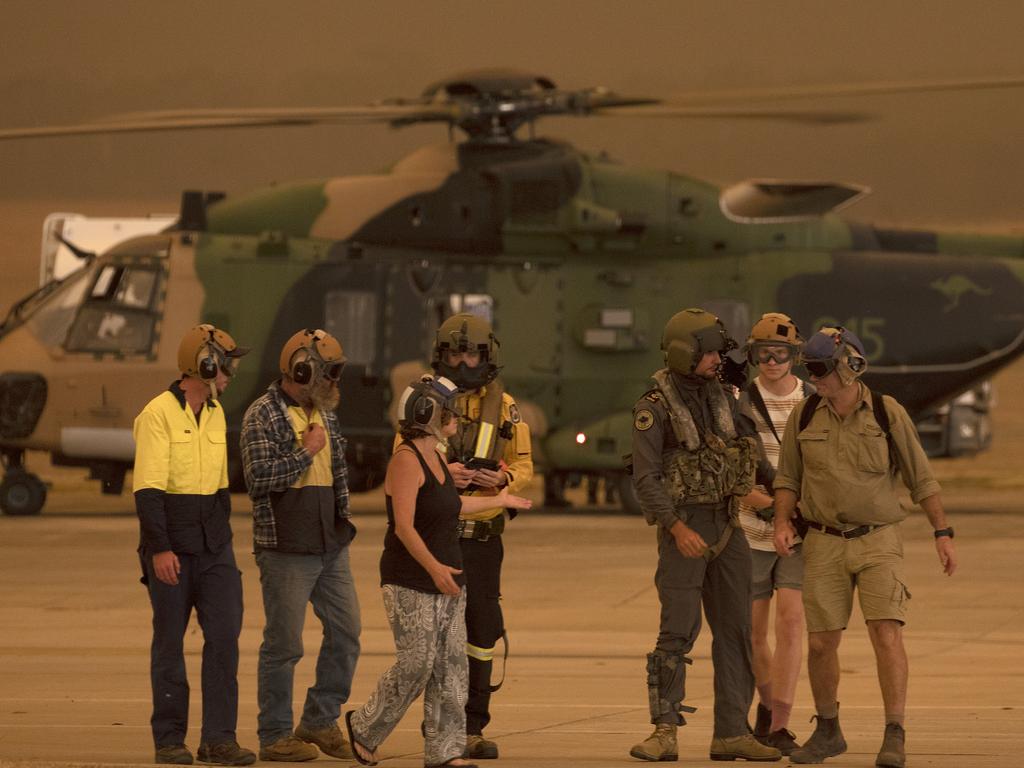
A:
(654, 395)
(513, 413)
(643, 419)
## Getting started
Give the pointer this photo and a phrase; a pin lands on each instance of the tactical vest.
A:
(705, 471)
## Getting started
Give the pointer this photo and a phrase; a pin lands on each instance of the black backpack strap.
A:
(882, 417)
(810, 406)
(754, 392)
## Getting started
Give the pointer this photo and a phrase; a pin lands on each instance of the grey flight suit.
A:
(721, 584)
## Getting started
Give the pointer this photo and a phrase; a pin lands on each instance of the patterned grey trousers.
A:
(430, 643)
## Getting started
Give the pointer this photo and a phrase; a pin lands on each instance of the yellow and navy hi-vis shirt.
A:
(180, 478)
(300, 502)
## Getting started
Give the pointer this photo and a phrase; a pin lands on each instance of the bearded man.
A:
(295, 470)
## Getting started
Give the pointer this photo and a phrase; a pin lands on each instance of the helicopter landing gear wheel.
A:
(22, 493)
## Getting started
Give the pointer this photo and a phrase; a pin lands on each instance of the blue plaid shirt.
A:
(272, 461)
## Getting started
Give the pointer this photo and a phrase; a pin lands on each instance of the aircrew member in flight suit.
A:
(184, 509)
(490, 451)
(692, 460)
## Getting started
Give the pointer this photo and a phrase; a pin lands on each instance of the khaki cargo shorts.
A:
(833, 567)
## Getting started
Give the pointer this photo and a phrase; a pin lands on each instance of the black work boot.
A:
(173, 754)
(892, 754)
(826, 741)
(763, 724)
(783, 740)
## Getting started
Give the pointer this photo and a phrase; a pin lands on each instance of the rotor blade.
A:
(754, 95)
(808, 117)
(177, 120)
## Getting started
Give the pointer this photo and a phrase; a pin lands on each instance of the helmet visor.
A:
(712, 339)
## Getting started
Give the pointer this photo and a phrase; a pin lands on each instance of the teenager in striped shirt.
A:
(773, 348)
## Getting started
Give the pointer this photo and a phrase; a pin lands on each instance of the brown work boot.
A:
(783, 740)
(742, 747)
(173, 754)
(826, 741)
(479, 748)
(288, 749)
(226, 753)
(892, 754)
(763, 724)
(660, 746)
(329, 739)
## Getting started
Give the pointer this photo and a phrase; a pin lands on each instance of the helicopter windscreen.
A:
(50, 319)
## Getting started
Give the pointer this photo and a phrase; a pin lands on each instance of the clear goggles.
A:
(776, 353)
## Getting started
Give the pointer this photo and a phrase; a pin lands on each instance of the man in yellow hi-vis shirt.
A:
(491, 450)
(184, 508)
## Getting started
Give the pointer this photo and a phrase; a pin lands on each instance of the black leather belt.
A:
(481, 530)
(849, 533)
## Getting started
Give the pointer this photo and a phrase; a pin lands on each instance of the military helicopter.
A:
(577, 261)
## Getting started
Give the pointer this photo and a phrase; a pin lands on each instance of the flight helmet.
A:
(774, 329)
(835, 349)
(689, 335)
(424, 403)
(461, 333)
(205, 349)
(310, 354)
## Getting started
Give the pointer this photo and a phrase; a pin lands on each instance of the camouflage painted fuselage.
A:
(581, 261)
(584, 261)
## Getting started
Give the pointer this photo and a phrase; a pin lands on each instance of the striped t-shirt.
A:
(759, 533)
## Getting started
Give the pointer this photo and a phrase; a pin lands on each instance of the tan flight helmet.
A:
(774, 329)
(461, 333)
(311, 354)
(689, 335)
(835, 349)
(205, 349)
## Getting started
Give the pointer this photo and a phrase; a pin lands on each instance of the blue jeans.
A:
(289, 581)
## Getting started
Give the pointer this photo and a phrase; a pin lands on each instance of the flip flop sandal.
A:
(352, 740)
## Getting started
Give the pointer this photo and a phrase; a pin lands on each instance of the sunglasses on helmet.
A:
(820, 368)
(774, 352)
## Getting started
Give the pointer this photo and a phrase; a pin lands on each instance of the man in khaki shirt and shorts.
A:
(842, 467)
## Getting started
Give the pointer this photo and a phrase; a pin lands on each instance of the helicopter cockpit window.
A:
(735, 316)
(352, 317)
(51, 320)
(117, 317)
(479, 304)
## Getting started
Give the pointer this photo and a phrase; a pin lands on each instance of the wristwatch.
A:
(944, 532)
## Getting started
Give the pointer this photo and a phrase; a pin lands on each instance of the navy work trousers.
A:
(481, 562)
(210, 583)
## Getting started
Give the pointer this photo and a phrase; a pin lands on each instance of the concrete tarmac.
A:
(581, 611)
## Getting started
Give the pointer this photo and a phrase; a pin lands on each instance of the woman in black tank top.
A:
(422, 581)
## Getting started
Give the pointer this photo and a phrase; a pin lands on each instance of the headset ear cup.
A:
(302, 372)
(423, 410)
(207, 366)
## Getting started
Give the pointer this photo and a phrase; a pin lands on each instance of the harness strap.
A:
(504, 661)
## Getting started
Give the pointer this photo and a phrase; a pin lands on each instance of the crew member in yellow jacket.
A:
(184, 508)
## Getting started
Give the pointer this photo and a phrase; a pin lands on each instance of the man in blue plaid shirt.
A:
(294, 460)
